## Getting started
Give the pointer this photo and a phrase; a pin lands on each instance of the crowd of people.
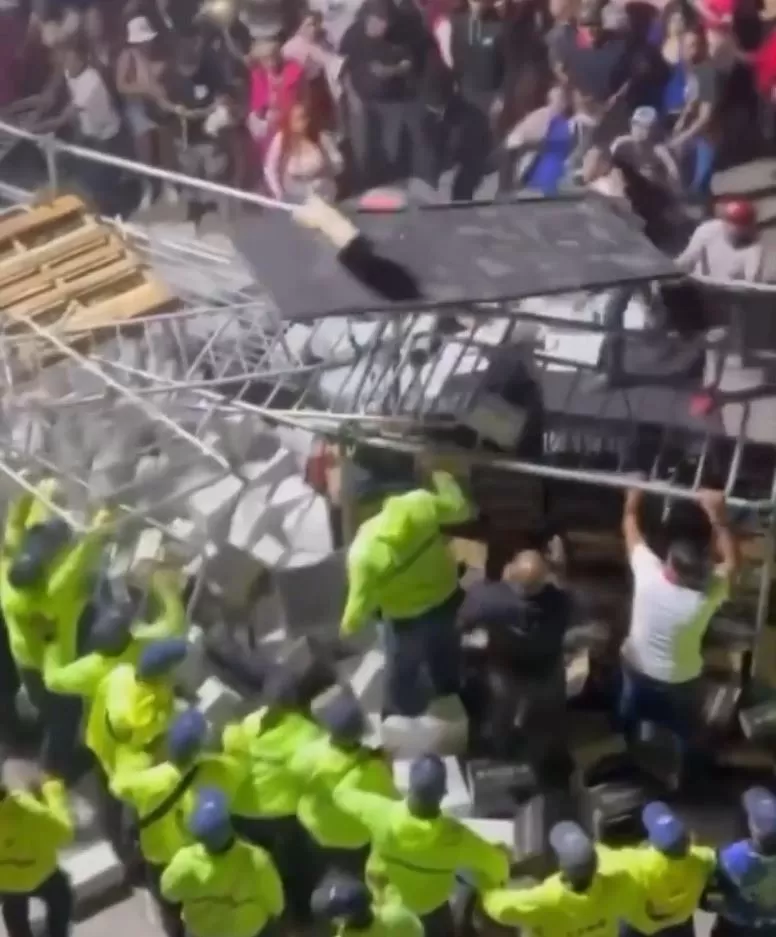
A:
(542, 95)
(291, 815)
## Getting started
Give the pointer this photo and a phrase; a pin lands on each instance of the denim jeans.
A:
(703, 156)
(423, 658)
(673, 706)
(57, 896)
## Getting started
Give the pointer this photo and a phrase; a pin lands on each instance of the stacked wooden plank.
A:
(63, 269)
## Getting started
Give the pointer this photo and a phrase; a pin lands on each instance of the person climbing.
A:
(225, 886)
(417, 849)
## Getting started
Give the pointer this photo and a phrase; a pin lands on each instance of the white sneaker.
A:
(171, 195)
(147, 198)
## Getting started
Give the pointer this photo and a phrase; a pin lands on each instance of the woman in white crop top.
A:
(302, 160)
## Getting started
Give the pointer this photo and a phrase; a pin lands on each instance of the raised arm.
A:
(452, 505)
(170, 621)
(79, 678)
(631, 529)
(724, 542)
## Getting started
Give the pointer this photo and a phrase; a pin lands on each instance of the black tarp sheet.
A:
(457, 254)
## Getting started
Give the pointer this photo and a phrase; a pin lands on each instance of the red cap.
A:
(739, 212)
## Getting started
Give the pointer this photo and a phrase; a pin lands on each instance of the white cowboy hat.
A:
(139, 30)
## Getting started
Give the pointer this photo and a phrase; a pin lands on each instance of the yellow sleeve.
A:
(54, 796)
(514, 907)
(16, 524)
(79, 678)
(76, 563)
(488, 862)
(373, 776)
(136, 781)
(170, 621)
(450, 503)
(374, 811)
(361, 603)
(236, 738)
(177, 878)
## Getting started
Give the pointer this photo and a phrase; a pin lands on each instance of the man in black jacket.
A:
(384, 65)
(526, 616)
(479, 56)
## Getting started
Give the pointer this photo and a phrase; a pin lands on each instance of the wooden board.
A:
(61, 268)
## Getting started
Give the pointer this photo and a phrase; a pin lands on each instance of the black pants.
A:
(169, 913)
(55, 893)
(62, 753)
(723, 928)
(686, 929)
(382, 134)
(294, 855)
(344, 861)
(10, 724)
(439, 922)
(473, 143)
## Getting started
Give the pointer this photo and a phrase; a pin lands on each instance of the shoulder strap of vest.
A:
(161, 810)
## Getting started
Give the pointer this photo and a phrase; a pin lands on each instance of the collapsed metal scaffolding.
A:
(141, 414)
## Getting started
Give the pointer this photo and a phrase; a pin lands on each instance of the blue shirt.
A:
(674, 90)
(748, 881)
(547, 171)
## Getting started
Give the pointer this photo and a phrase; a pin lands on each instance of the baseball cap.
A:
(665, 830)
(572, 846)
(760, 808)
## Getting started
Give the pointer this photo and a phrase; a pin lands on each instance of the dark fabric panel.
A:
(456, 253)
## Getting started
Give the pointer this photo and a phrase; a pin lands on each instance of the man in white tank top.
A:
(673, 602)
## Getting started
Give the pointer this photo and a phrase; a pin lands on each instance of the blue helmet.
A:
(186, 736)
(160, 657)
(210, 821)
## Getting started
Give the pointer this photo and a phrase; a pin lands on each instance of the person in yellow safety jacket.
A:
(226, 887)
(130, 708)
(34, 830)
(591, 894)
(400, 566)
(417, 850)
(266, 802)
(339, 759)
(348, 904)
(162, 797)
(46, 577)
(671, 873)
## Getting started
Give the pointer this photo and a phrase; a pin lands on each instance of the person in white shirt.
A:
(727, 247)
(90, 107)
(674, 601)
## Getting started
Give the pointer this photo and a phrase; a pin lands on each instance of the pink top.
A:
(271, 95)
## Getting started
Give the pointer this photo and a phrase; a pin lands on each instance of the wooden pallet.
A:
(62, 268)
